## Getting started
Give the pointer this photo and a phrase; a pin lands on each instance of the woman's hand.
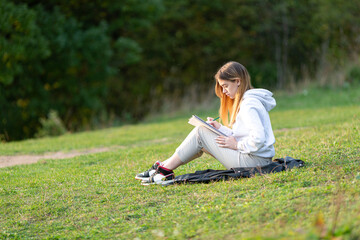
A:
(226, 142)
(213, 123)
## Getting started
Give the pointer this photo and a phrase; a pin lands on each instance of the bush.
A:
(52, 126)
(353, 76)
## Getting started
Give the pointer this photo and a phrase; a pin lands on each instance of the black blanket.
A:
(209, 175)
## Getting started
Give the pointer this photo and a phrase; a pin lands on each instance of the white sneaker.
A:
(161, 176)
(148, 173)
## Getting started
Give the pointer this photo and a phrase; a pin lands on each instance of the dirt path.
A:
(6, 161)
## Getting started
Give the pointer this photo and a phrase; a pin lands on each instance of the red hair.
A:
(231, 71)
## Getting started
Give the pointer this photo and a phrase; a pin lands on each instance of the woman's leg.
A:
(249, 160)
(192, 153)
(173, 162)
(202, 140)
(192, 147)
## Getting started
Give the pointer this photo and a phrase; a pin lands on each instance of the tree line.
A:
(96, 61)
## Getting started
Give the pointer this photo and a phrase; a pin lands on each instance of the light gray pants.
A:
(201, 138)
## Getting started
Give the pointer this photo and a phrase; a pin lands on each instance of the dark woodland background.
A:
(92, 64)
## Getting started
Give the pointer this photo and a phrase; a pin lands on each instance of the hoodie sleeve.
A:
(226, 130)
(256, 138)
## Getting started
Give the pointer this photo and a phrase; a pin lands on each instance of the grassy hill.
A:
(95, 196)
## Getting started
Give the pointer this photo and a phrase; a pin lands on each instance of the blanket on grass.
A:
(210, 175)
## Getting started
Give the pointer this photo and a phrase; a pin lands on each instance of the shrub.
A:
(52, 126)
(353, 76)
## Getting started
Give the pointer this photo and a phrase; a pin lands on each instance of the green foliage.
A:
(21, 40)
(51, 126)
(353, 76)
(87, 59)
(77, 69)
(70, 78)
(128, 51)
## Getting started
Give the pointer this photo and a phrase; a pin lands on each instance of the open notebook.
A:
(196, 121)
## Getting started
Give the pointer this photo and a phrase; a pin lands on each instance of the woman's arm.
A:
(256, 138)
(226, 130)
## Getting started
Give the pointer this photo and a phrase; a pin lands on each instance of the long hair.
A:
(231, 71)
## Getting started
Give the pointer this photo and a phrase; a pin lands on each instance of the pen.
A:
(216, 119)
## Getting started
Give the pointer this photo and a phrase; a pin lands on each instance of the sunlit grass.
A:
(95, 196)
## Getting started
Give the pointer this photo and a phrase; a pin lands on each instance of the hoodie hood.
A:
(263, 95)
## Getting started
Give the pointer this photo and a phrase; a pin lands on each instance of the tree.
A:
(51, 63)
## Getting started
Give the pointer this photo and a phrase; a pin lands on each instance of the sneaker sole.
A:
(163, 183)
(147, 183)
(142, 178)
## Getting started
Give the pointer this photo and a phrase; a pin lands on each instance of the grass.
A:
(95, 196)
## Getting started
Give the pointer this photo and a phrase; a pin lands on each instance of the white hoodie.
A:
(252, 127)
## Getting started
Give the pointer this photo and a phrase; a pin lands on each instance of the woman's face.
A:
(229, 87)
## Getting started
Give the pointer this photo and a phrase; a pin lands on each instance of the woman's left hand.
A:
(226, 142)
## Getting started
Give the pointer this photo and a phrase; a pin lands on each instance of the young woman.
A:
(250, 139)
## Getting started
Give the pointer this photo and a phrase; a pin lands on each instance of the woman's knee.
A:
(200, 130)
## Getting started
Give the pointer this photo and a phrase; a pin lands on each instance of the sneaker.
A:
(161, 176)
(147, 174)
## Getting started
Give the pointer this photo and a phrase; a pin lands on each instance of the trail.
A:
(7, 161)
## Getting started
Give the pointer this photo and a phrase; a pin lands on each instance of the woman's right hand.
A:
(213, 123)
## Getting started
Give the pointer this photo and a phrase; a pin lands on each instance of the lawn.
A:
(95, 196)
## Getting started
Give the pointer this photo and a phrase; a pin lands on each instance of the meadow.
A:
(95, 196)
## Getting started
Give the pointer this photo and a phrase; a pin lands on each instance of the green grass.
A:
(95, 196)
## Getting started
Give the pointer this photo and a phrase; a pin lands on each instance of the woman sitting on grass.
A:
(249, 141)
